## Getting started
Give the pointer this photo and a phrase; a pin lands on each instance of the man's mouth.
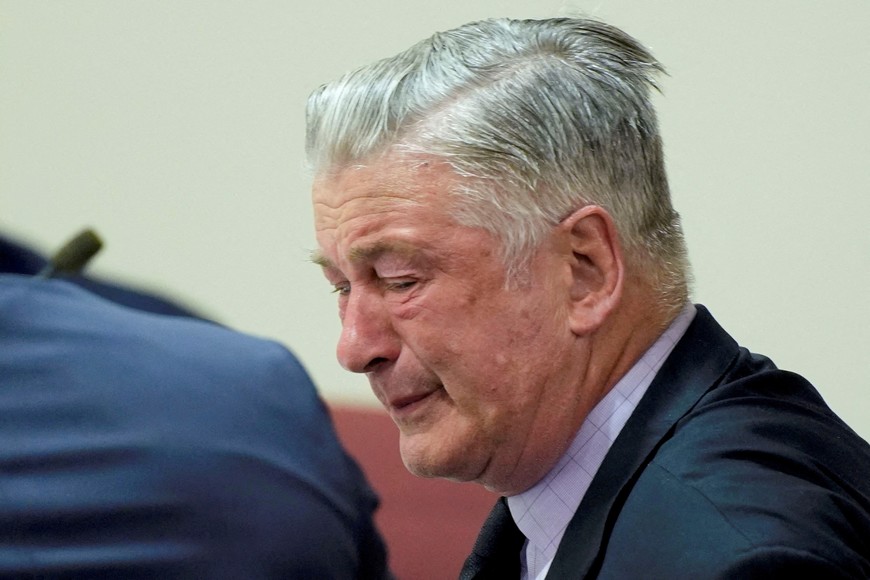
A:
(402, 408)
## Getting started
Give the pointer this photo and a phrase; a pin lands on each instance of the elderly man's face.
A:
(479, 377)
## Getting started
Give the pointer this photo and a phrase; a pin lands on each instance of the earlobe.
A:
(597, 268)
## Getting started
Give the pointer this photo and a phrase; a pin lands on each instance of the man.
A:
(136, 445)
(492, 210)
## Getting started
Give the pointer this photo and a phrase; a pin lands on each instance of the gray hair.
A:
(539, 117)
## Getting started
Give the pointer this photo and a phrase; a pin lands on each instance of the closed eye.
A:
(399, 285)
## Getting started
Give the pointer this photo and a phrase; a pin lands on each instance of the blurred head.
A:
(484, 202)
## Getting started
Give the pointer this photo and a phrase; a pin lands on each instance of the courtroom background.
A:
(175, 127)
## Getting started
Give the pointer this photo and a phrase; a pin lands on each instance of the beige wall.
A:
(175, 127)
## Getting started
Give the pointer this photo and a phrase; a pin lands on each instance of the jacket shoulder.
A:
(760, 476)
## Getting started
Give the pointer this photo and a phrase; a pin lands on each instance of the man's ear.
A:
(597, 267)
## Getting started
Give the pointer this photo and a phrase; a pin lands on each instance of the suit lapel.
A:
(696, 364)
(496, 554)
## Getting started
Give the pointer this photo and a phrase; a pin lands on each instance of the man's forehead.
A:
(364, 212)
(403, 175)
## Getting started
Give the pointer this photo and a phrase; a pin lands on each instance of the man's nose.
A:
(368, 339)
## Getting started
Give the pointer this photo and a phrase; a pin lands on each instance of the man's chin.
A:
(435, 460)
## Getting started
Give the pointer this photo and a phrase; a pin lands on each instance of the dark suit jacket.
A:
(135, 445)
(16, 258)
(728, 468)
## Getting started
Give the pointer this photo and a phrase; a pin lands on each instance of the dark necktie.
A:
(496, 554)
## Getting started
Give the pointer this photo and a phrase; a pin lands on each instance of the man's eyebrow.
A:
(319, 259)
(368, 253)
(372, 252)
